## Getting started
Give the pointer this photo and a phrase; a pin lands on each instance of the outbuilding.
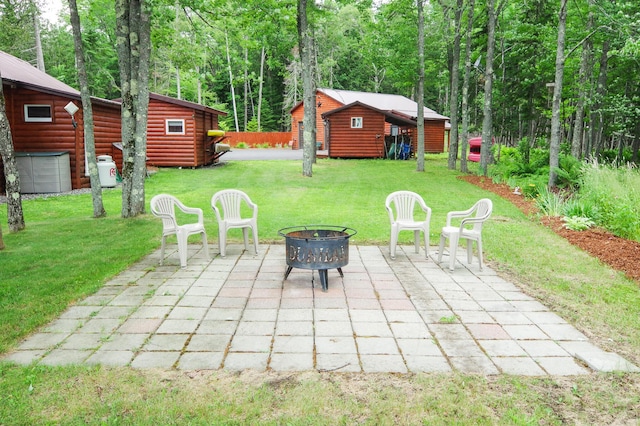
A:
(47, 126)
(369, 125)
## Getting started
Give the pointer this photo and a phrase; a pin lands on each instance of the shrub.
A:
(550, 203)
(569, 172)
(577, 223)
(242, 145)
(615, 196)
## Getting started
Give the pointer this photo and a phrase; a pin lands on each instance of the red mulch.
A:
(622, 255)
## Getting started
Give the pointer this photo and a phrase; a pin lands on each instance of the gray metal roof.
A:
(21, 72)
(391, 103)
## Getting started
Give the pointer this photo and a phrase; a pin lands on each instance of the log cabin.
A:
(45, 133)
(369, 125)
(178, 133)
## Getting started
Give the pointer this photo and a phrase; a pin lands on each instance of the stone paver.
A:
(404, 315)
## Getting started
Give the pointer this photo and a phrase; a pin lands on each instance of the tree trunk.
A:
(465, 90)
(487, 122)
(554, 143)
(15, 216)
(455, 81)
(246, 88)
(87, 114)
(309, 92)
(262, 59)
(583, 91)
(596, 120)
(133, 45)
(39, 54)
(233, 93)
(420, 94)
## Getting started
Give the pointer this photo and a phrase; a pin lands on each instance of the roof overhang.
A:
(392, 117)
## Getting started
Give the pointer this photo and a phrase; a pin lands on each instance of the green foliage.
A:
(242, 145)
(569, 172)
(550, 203)
(577, 223)
(614, 194)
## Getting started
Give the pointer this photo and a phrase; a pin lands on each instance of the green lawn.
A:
(65, 255)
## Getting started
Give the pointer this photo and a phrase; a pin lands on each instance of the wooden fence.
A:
(258, 139)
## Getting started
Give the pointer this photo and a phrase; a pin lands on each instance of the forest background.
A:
(242, 56)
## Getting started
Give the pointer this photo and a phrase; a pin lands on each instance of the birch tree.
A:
(487, 121)
(455, 80)
(15, 216)
(305, 42)
(87, 114)
(465, 88)
(420, 95)
(133, 45)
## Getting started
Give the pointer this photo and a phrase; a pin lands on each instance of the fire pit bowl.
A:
(320, 247)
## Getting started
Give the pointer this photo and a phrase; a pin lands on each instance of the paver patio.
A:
(236, 313)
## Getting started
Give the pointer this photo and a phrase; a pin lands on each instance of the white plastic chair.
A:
(229, 216)
(400, 205)
(164, 206)
(470, 228)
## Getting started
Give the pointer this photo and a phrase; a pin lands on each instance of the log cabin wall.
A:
(433, 137)
(171, 149)
(348, 142)
(58, 135)
(327, 104)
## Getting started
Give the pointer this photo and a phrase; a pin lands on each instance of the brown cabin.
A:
(43, 130)
(368, 125)
(177, 132)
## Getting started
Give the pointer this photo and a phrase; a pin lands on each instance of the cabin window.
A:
(37, 113)
(356, 122)
(175, 127)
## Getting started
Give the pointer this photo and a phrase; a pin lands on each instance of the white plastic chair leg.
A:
(222, 242)
(162, 250)
(416, 240)
(245, 237)
(205, 245)
(393, 243)
(443, 238)
(182, 249)
(426, 244)
(255, 239)
(453, 246)
(480, 253)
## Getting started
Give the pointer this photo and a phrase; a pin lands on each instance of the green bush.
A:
(577, 223)
(614, 194)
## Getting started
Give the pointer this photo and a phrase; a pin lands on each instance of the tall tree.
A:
(487, 121)
(420, 94)
(87, 113)
(554, 143)
(305, 43)
(133, 45)
(455, 81)
(583, 89)
(465, 88)
(15, 215)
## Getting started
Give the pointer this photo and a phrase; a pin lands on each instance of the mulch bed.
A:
(619, 253)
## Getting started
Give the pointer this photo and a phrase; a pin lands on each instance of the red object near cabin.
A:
(474, 149)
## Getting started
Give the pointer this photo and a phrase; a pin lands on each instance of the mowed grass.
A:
(65, 255)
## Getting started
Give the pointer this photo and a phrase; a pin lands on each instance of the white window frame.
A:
(356, 122)
(29, 119)
(173, 122)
